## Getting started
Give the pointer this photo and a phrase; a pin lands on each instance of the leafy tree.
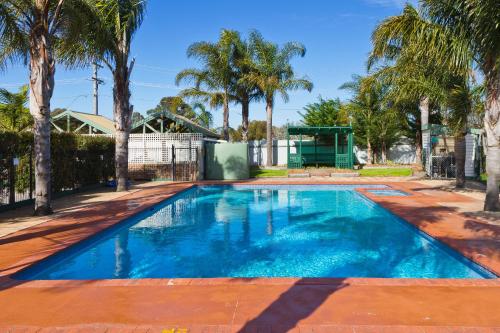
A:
(176, 105)
(111, 28)
(213, 83)
(14, 115)
(273, 74)
(256, 131)
(364, 106)
(325, 113)
(136, 117)
(30, 31)
(57, 111)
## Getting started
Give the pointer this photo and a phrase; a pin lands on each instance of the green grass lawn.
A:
(389, 172)
(263, 173)
(256, 172)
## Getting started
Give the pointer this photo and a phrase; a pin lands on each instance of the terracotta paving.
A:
(252, 305)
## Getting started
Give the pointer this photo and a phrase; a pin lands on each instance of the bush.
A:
(76, 160)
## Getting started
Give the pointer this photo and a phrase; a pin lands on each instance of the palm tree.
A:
(273, 74)
(476, 23)
(364, 107)
(14, 115)
(203, 116)
(213, 83)
(29, 32)
(244, 92)
(453, 35)
(398, 40)
(112, 27)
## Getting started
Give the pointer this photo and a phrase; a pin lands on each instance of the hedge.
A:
(77, 160)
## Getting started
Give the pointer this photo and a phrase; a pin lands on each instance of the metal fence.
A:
(16, 178)
(443, 167)
(178, 164)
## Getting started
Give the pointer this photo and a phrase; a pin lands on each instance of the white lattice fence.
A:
(157, 148)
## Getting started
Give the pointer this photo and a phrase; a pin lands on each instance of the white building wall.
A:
(471, 151)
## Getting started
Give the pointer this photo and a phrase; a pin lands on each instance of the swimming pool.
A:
(259, 231)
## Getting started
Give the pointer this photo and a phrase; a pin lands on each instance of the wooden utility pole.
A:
(97, 82)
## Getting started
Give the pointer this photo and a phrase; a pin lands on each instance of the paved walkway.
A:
(21, 218)
(253, 305)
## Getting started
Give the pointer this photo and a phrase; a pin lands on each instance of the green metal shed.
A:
(326, 146)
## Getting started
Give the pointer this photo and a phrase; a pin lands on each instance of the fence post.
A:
(31, 172)
(173, 163)
(12, 181)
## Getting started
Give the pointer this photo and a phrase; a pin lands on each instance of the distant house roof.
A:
(81, 122)
(170, 122)
(78, 121)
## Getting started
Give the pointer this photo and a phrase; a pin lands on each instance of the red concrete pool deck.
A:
(253, 305)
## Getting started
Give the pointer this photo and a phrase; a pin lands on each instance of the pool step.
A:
(299, 175)
(345, 174)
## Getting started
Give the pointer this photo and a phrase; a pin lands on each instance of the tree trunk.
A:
(245, 106)
(418, 148)
(122, 111)
(42, 70)
(424, 125)
(122, 255)
(492, 129)
(460, 160)
(369, 153)
(225, 125)
(269, 132)
(383, 152)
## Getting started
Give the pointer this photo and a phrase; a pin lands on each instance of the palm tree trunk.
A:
(460, 159)
(122, 111)
(418, 147)
(245, 106)
(492, 128)
(42, 70)
(269, 132)
(424, 124)
(369, 152)
(225, 125)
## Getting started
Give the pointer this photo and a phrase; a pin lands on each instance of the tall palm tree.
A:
(244, 92)
(29, 33)
(273, 74)
(476, 23)
(463, 100)
(112, 27)
(14, 115)
(213, 83)
(398, 41)
(454, 35)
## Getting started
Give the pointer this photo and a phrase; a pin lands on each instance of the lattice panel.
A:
(342, 161)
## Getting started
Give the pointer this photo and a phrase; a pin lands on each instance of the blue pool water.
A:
(259, 231)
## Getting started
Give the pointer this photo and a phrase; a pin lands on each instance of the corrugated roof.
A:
(101, 123)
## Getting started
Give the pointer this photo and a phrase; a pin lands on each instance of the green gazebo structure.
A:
(324, 146)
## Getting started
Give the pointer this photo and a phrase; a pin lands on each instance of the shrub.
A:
(76, 160)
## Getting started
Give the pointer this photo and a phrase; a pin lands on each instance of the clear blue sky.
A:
(336, 34)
